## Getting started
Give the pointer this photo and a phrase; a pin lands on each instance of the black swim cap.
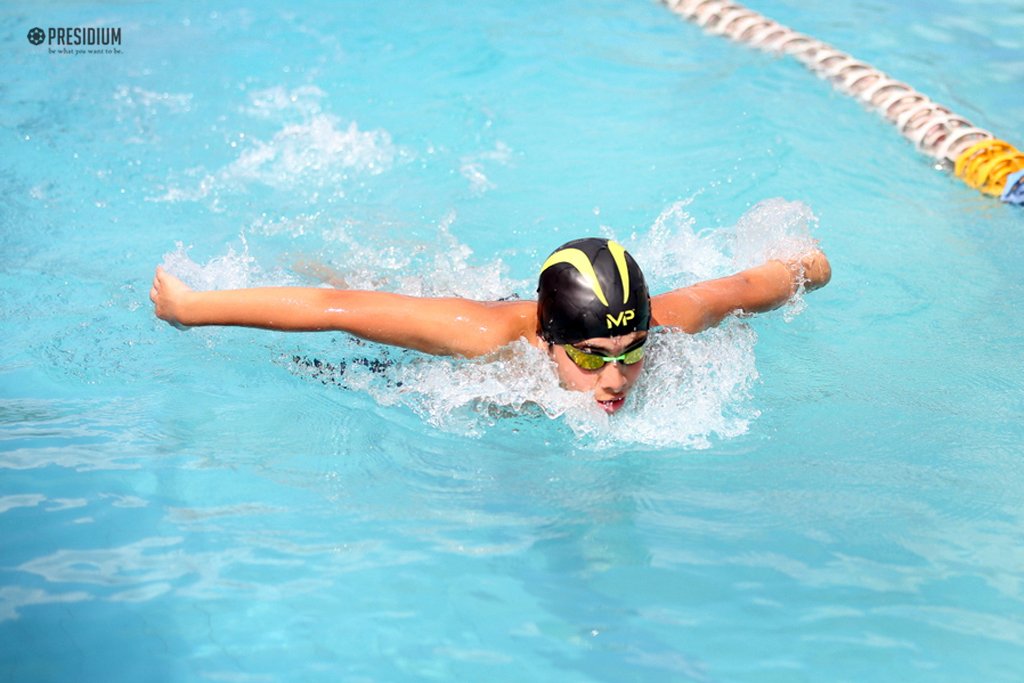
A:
(591, 288)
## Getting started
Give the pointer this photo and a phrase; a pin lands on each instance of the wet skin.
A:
(612, 383)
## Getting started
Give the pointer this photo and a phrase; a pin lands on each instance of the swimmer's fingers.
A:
(817, 269)
(163, 278)
(154, 289)
(164, 293)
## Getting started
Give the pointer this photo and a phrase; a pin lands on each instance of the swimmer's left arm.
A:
(756, 290)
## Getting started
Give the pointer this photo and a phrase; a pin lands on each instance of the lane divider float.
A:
(976, 156)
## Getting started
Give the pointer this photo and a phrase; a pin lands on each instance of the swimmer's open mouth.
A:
(612, 405)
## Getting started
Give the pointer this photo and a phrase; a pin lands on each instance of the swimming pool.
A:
(830, 493)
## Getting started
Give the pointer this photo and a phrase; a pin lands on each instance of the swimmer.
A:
(592, 314)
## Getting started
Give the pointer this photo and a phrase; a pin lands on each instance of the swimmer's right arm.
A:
(755, 290)
(441, 326)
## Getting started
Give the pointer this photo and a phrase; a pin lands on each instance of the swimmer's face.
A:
(610, 383)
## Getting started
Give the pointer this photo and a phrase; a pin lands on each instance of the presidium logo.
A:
(78, 40)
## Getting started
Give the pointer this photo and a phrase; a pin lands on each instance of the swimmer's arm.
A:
(756, 290)
(441, 326)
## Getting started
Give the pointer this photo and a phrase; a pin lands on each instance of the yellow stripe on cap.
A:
(619, 254)
(578, 260)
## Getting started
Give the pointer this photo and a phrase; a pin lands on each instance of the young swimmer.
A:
(592, 313)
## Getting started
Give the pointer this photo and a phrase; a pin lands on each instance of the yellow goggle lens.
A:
(593, 361)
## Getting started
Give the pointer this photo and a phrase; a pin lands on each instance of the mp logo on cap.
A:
(620, 319)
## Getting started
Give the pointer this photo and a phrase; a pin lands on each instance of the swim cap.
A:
(591, 288)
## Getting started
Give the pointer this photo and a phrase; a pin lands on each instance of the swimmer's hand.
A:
(169, 295)
(812, 268)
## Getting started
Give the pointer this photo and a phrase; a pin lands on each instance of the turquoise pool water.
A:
(828, 493)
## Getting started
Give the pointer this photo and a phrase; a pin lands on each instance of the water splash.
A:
(467, 396)
(694, 389)
(675, 253)
(773, 229)
(233, 270)
(313, 152)
(436, 264)
(319, 150)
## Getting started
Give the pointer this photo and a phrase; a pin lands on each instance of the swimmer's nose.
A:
(612, 378)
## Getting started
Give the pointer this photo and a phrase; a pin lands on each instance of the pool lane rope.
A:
(977, 157)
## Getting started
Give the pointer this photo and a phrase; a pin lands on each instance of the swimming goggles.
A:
(594, 361)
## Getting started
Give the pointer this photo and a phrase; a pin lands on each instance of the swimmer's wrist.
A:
(793, 272)
(187, 308)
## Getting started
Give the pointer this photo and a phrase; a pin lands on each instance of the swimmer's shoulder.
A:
(516, 319)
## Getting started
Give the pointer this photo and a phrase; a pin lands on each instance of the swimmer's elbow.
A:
(487, 341)
(685, 310)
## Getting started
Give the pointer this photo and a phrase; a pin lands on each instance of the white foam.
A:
(694, 388)
(674, 253)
